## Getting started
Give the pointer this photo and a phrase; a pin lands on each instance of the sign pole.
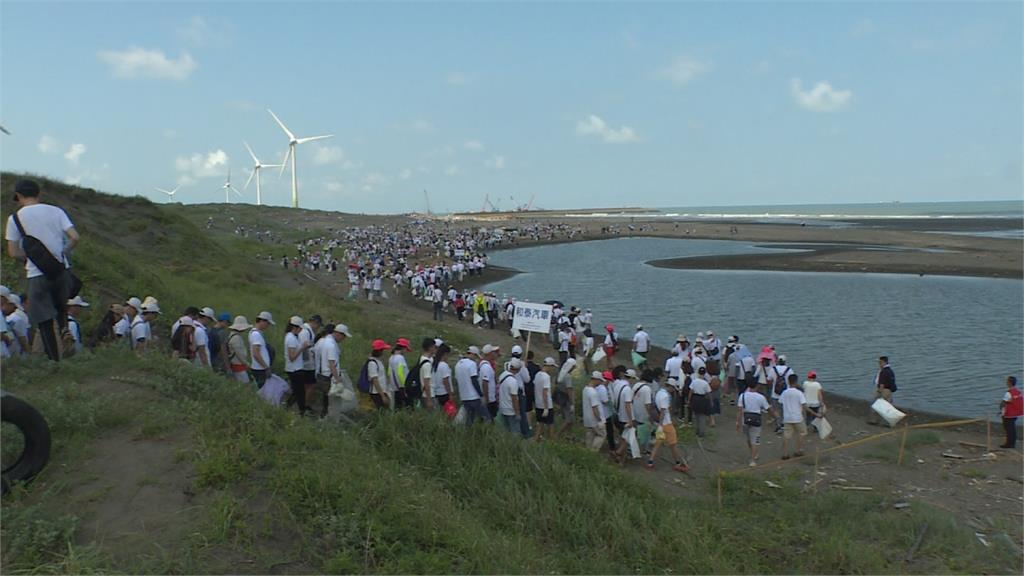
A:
(526, 352)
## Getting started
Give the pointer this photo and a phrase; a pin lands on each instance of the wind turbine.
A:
(170, 194)
(292, 142)
(5, 130)
(228, 189)
(257, 166)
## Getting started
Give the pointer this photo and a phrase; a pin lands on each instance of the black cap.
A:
(28, 188)
(316, 318)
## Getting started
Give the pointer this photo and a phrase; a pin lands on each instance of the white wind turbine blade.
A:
(175, 190)
(232, 188)
(287, 155)
(251, 153)
(251, 174)
(5, 130)
(281, 124)
(311, 138)
(165, 191)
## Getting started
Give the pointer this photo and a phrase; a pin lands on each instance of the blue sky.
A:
(582, 105)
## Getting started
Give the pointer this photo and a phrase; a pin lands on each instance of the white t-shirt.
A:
(487, 381)
(779, 371)
(123, 326)
(753, 402)
(442, 371)
(256, 339)
(426, 375)
(17, 323)
(140, 330)
(673, 366)
(542, 391)
(663, 401)
(812, 391)
(465, 369)
(792, 399)
(308, 359)
(46, 222)
(508, 386)
(590, 400)
(327, 352)
(375, 369)
(623, 395)
(398, 368)
(201, 339)
(697, 362)
(641, 398)
(605, 398)
(563, 341)
(699, 385)
(642, 341)
(291, 341)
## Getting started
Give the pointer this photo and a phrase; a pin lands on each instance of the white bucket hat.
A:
(295, 321)
(77, 301)
(152, 307)
(208, 312)
(134, 303)
(240, 324)
(266, 316)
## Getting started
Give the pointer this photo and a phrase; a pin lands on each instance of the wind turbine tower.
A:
(293, 141)
(256, 167)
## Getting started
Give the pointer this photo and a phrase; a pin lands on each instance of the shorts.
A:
(753, 434)
(670, 436)
(791, 429)
(541, 419)
(44, 294)
(565, 404)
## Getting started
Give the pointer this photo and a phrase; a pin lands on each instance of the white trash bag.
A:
(888, 412)
(823, 427)
(274, 390)
(598, 355)
(342, 396)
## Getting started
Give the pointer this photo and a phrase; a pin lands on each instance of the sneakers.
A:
(751, 463)
(649, 465)
(681, 468)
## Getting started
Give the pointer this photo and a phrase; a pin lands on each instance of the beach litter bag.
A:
(274, 389)
(637, 359)
(460, 416)
(342, 395)
(629, 436)
(477, 318)
(598, 355)
(823, 427)
(888, 412)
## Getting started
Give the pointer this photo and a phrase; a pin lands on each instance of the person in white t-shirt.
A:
(293, 350)
(700, 399)
(544, 405)
(328, 354)
(815, 396)
(622, 400)
(666, 432)
(488, 379)
(441, 376)
(467, 376)
(141, 331)
(751, 408)
(437, 297)
(425, 395)
(643, 409)
(593, 413)
(794, 405)
(260, 366)
(377, 376)
(509, 389)
(46, 294)
(398, 370)
(17, 323)
(565, 395)
(778, 376)
(641, 342)
(203, 321)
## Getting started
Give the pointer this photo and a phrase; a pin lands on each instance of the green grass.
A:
(403, 493)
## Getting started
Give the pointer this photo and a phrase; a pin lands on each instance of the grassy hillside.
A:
(161, 468)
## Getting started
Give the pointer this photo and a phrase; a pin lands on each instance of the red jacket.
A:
(1015, 407)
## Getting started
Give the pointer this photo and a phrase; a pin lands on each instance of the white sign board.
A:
(460, 253)
(532, 317)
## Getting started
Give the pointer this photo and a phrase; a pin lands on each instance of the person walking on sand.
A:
(779, 374)
(700, 400)
(794, 406)
(885, 386)
(593, 413)
(604, 394)
(665, 434)
(751, 407)
(815, 396)
(1012, 406)
(611, 345)
(641, 344)
(622, 399)
(644, 411)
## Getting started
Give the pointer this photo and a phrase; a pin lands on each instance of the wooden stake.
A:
(988, 435)
(903, 445)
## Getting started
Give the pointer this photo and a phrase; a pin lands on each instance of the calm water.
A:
(952, 341)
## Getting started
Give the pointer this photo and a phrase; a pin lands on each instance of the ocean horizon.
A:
(1009, 209)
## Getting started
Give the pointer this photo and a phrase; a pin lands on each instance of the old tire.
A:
(36, 432)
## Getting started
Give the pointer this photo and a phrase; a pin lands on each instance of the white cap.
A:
(488, 348)
(782, 358)
(342, 329)
(208, 312)
(152, 307)
(266, 316)
(134, 303)
(549, 361)
(77, 301)
(438, 342)
(4, 291)
(700, 334)
(639, 326)
(295, 321)
(515, 364)
(186, 321)
(630, 373)
(596, 375)
(473, 350)
(14, 299)
(517, 350)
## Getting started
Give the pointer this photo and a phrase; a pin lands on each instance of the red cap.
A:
(812, 374)
(380, 345)
(607, 375)
(403, 343)
(610, 327)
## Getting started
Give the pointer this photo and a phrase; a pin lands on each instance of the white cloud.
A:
(138, 62)
(497, 162)
(452, 170)
(684, 69)
(186, 180)
(473, 145)
(327, 154)
(422, 126)
(457, 79)
(404, 174)
(822, 98)
(207, 165)
(74, 152)
(48, 144)
(334, 186)
(595, 126)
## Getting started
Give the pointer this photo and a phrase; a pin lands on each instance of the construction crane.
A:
(488, 203)
(427, 196)
(530, 205)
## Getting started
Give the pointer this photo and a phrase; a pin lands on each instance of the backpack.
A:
(780, 380)
(38, 253)
(413, 386)
(364, 378)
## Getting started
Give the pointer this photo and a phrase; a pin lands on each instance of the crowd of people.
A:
(632, 411)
